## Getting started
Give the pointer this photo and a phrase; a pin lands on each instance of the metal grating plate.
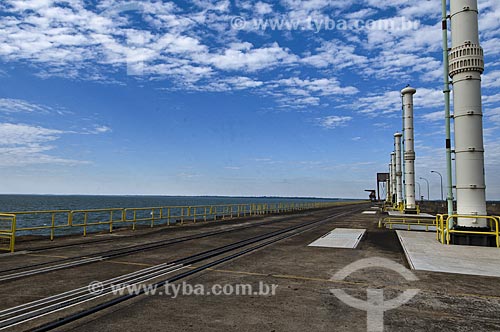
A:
(340, 238)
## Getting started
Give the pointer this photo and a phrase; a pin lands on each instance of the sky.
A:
(217, 97)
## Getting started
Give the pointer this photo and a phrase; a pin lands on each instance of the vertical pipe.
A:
(399, 177)
(402, 149)
(466, 66)
(393, 178)
(389, 184)
(409, 148)
(446, 91)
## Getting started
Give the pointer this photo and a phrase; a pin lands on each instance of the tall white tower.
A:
(393, 176)
(409, 147)
(389, 183)
(466, 66)
(399, 174)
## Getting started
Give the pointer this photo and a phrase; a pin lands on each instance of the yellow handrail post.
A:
(438, 227)
(13, 234)
(53, 224)
(497, 232)
(85, 224)
(134, 220)
(111, 222)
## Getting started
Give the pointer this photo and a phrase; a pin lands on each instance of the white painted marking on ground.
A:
(369, 212)
(401, 214)
(412, 227)
(340, 238)
(112, 235)
(16, 253)
(425, 253)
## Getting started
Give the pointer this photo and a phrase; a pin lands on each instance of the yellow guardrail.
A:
(397, 207)
(440, 218)
(408, 221)
(53, 220)
(49, 217)
(8, 230)
(443, 231)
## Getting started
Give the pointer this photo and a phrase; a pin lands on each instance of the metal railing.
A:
(50, 221)
(398, 207)
(8, 231)
(443, 230)
(407, 221)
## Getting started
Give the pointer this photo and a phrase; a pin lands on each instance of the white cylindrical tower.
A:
(466, 66)
(389, 185)
(399, 174)
(409, 147)
(393, 177)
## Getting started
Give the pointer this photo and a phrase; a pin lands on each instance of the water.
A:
(9, 203)
(17, 203)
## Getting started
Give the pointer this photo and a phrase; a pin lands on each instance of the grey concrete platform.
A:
(425, 253)
(303, 275)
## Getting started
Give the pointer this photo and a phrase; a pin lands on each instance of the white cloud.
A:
(361, 14)
(21, 134)
(421, 9)
(390, 101)
(9, 105)
(232, 168)
(322, 86)
(491, 99)
(491, 79)
(493, 115)
(263, 8)
(401, 66)
(101, 130)
(434, 116)
(334, 121)
(334, 53)
(384, 103)
(22, 144)
(241, 82)
(249, 60)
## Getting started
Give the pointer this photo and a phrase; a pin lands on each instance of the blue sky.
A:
(200, 98)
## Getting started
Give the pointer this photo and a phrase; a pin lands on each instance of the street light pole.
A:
(428, 196)
(419, 193)
(441, 182)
